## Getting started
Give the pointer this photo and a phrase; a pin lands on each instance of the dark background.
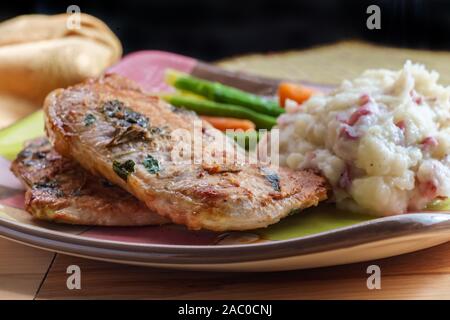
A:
(212, 29)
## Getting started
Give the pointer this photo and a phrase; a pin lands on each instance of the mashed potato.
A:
(382, 140)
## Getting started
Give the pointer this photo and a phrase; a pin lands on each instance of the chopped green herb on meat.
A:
(122, 115)
(89, 119)
(273, 178)
(123, 169)
(151, 164)
(130, 125)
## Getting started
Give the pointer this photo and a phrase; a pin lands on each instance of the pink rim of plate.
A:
(147, 68)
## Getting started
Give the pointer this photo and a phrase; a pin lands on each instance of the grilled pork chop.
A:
(115, 130)
(59, 190)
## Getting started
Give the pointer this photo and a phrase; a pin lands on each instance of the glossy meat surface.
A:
(116, 131)
(58, 189)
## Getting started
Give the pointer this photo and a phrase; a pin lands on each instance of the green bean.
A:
(221, 93)
(211, 108)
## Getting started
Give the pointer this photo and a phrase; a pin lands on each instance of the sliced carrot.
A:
(293, 91)
(223, 123)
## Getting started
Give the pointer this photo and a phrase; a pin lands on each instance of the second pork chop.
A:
(115, 130)
(59, 190)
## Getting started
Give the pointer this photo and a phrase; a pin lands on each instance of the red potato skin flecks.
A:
(235, 198)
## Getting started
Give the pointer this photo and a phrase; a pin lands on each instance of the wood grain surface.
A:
(22, 270)
(27, 273)
(420, 275)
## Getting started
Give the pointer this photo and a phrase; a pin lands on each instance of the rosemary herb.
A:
(273, 178)
(151, 164)
(123, 169)
(89, 119)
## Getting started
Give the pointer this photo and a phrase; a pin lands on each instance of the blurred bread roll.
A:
(39, 53)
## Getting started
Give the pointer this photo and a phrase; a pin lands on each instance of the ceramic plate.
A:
(316, 237)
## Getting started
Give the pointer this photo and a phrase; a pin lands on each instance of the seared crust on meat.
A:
(115, 130)
(59, 190)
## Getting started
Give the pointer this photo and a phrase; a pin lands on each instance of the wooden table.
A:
(27, 273)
